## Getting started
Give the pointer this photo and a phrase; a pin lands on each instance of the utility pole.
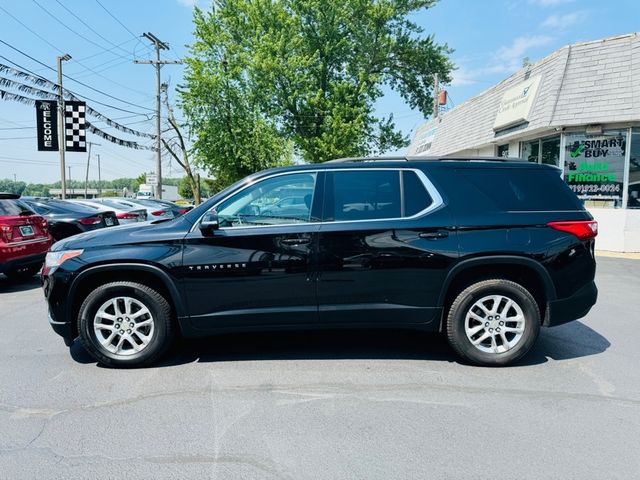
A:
(86, 180)
(436, 92)
(99, 178)
(160, 45)
(63, 183)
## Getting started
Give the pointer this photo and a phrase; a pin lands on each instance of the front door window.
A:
(284, 199)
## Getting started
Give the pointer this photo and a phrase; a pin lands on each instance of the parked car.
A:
(486, 251)
(176, 209)
(124, 214)
(24, 238)
(154, 210)
(163, 205)
(68, 218)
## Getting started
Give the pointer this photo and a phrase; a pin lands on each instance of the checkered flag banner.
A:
(75, 126)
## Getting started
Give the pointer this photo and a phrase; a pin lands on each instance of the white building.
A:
(579, 109)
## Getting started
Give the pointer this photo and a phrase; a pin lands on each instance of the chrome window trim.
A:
(436, 198)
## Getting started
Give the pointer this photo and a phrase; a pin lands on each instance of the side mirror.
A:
(209, 223)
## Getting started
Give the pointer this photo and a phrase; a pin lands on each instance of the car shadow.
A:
(8, 285)
(569, 341)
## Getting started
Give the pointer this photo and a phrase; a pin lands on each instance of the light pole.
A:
(63, 184)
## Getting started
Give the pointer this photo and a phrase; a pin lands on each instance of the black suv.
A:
(486, 251)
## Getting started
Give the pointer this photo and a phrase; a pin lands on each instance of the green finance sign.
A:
(594, 165)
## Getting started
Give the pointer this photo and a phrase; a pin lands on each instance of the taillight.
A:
(583, 229)
(157, 213)
(90, 220)
(126, 216)
(6, 233)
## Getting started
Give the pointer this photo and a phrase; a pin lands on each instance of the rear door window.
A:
(357, 195)
(363, 195)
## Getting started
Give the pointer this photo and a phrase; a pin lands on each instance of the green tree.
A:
(9, 186)
(308, 71)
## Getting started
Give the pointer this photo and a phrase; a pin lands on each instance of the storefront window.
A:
(531, 151)
(503, 150)
(634, 171)
(594, 166)
(545, 150)
(551, 151)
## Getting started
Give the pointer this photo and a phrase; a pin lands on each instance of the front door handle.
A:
(434, 235)
(296, 241)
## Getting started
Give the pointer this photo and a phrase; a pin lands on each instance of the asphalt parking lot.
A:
(326, 405)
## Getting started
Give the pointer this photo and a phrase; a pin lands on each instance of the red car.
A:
(24, 238)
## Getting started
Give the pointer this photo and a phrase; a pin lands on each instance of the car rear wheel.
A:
(125, 324)
(493, 322)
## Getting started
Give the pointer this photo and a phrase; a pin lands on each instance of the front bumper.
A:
(572, 308)
(62, 328)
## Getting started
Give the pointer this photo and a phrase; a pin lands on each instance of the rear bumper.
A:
(572, 308)
(35, 260)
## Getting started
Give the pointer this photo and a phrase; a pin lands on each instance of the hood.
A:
(130, 234)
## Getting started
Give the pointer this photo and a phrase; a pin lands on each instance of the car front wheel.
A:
(125, 324)
(493, 322)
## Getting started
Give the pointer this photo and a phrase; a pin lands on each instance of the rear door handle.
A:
(296, 241)
(434, 235)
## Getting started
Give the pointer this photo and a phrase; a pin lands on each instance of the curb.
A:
(628, 256)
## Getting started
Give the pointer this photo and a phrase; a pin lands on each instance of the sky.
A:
(490, 39)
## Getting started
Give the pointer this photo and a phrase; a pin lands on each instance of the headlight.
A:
(54, 259)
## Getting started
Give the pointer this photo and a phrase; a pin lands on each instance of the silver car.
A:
(124, 213)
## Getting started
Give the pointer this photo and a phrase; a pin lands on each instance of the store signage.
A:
(47, 125)
(516, 103)
(151, 179)
(423, 140)
(594, 165)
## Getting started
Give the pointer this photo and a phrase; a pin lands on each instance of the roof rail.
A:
(425, 158)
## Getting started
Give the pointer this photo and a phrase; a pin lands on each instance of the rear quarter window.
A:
(516, 189)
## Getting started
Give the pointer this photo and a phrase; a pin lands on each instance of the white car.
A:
(125, 214)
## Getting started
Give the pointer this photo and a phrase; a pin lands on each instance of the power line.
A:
(116, 19)
(35, 33)
(69, 28)
(56, 96)
(73, 79)
(107, 51)
(92, 29)
(79, 63)
(71, 91)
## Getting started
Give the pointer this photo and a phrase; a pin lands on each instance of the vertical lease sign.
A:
(47, 125)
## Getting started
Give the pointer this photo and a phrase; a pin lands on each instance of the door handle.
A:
(296, 241)
(434, 235)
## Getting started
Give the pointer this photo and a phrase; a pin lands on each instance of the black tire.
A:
(160, 311)
(22, 274)
(468, 298)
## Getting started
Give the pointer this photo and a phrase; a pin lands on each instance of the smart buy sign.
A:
(594, 166)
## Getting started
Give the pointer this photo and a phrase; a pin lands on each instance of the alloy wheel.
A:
(123, 326)
(494, 324)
